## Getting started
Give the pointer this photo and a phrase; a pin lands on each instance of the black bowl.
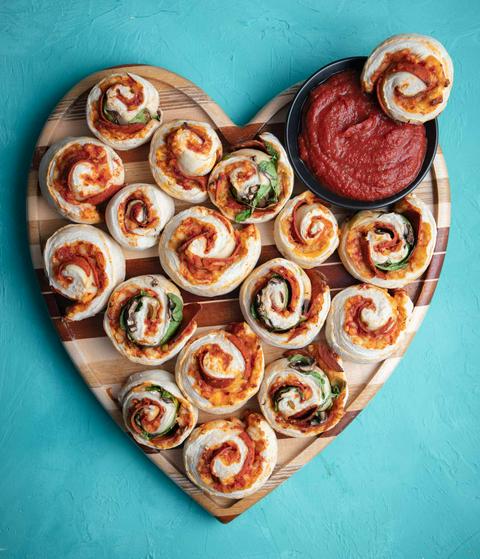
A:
(294, 127)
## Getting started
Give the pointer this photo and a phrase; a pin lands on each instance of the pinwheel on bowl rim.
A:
(283, 304)
(182, 154)
(154, 410)
(305, 392)
(76, 175)
(221, 369)
(137, 214)
(84, 265)
(412, 75)
(147, 321)
(253, 182)
(231, 457)
(123, 110)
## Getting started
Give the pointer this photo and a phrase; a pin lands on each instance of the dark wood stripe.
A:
(442, 239)
(221, 309)
(340, 426)
(227, 518)
(229, 134)
(425, 295)
(213, 312)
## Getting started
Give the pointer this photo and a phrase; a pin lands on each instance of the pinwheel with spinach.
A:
(252, 183)
(305, 392)
(123, 110)
(389, 249)
(147, 321)
(154, 411)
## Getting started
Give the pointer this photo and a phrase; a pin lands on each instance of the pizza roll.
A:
(146, 320)
(230, 457)
(412, 75)
(137, 214)
(78, 174)
(283, 304)
(154, 410)
(389, 249)
(123, 110)
(306, 231)
(182, 154)
(305, 392)
(220, 370)
(202, 252)
(254, 182)
(367, 323)
(84, 265)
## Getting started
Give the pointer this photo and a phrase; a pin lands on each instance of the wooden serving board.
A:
(104, 370)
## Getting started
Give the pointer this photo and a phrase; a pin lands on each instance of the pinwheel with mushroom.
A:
(182, 154)
(84, 265)
(154, 410)
(389, 249)
(146, 320)
(283, 304)
(231, 457)
(220, 370)
(123, 110)
(76, 175)
(304, 393)
(137, 214)
(202, 253)
(254, 182)
(412, 75)
(367, 323)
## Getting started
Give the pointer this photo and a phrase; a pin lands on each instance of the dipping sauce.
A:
(352, 147)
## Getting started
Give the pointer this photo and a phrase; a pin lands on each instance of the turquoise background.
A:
(404, 480)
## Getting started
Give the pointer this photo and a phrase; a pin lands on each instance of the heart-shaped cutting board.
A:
(104, 370)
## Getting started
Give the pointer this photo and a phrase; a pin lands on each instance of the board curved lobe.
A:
(104, 370)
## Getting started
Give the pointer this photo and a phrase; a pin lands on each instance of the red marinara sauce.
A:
(353, 148)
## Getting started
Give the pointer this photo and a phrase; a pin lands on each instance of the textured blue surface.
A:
(404, 480)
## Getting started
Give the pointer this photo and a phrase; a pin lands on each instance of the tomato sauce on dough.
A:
(353, 147)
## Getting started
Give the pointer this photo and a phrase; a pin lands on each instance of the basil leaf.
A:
(410, 240)
(176, 316)
(268, 167)
(242, 216)
(261, 193)
(164, 394)
(168, 397)
(316, 375)
(392, 266)
(272, 152)
(122, 320)
(141, 118)
(336, 390)
(109, 115)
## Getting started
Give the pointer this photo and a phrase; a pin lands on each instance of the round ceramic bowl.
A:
(294, 126)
